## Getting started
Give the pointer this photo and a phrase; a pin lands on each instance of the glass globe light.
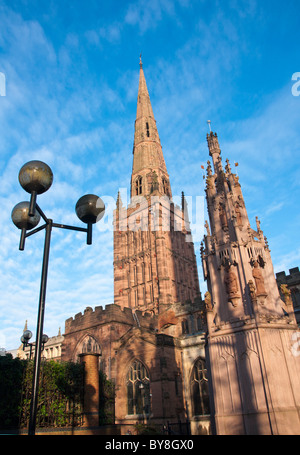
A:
(26, 336)
(35, 176)
(45, 338)
(21, 219)
(90, 208)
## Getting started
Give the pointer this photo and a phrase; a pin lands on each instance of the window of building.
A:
(184, 326)
(138, 186)
(135, 275)
(138, 389)
(147, 129)
(199, 325)
(89, 345)
(165, 186)
(199, 389)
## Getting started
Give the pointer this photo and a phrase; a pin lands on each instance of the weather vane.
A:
(209, 122)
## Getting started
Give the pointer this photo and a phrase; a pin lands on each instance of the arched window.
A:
(199, 389)
(184, 326)
(165, 186)
(87, 345)
(138, 186)
(138, 389)
(90, 345)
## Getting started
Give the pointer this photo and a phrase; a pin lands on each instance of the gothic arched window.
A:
(199, 389)
(138, 389)
(87, 345)
(90, 345)
(138, 186)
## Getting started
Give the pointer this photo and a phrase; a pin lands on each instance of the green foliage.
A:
(60, 394)
(143, 429)
(60, 397)
(107, 400)
(11, 374)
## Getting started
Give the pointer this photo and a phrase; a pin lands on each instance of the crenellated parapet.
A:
(110, 314)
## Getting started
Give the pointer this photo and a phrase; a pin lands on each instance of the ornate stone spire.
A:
(245, 315)
(147, 151)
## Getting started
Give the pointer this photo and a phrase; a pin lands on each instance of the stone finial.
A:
(227, 167)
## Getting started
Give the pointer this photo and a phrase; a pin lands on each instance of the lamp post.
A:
(27, 334)
(36, 177)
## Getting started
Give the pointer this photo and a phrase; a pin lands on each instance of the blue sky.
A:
(71, 72)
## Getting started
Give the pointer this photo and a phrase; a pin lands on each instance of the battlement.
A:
(110, 314)
(294, 276)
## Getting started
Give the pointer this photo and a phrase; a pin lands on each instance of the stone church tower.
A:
(254, 371)
(154, 258)
(150, 341)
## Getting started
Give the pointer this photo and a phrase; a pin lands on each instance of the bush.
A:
(11, 375)
(60, 396)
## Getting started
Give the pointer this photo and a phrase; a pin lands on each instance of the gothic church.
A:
(222, 364)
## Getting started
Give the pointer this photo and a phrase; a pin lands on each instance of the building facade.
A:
(221, 365)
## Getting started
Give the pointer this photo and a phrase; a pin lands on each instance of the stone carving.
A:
(232, 286)
(207, 301)
(210, 183)
(259, 280)
(206, 225)
(252, 290)
(222, 215)
(239, 218)
(286, 294)
(236, 180)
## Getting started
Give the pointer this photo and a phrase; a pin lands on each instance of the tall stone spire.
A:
(249, 326)
(155, 268)
(149, 172)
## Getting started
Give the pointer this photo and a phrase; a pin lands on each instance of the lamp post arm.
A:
(34, 231)
(38, 208)
(72, 228)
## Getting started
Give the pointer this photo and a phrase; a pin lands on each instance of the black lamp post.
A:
(36, 177)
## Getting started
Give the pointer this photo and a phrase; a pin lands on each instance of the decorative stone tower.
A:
(255, 373)
(154, 259)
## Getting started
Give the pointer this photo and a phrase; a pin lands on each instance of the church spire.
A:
(149, 170)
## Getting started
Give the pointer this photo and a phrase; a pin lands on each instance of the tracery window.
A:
(90, 345)
(138, 389)
(199, 389)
